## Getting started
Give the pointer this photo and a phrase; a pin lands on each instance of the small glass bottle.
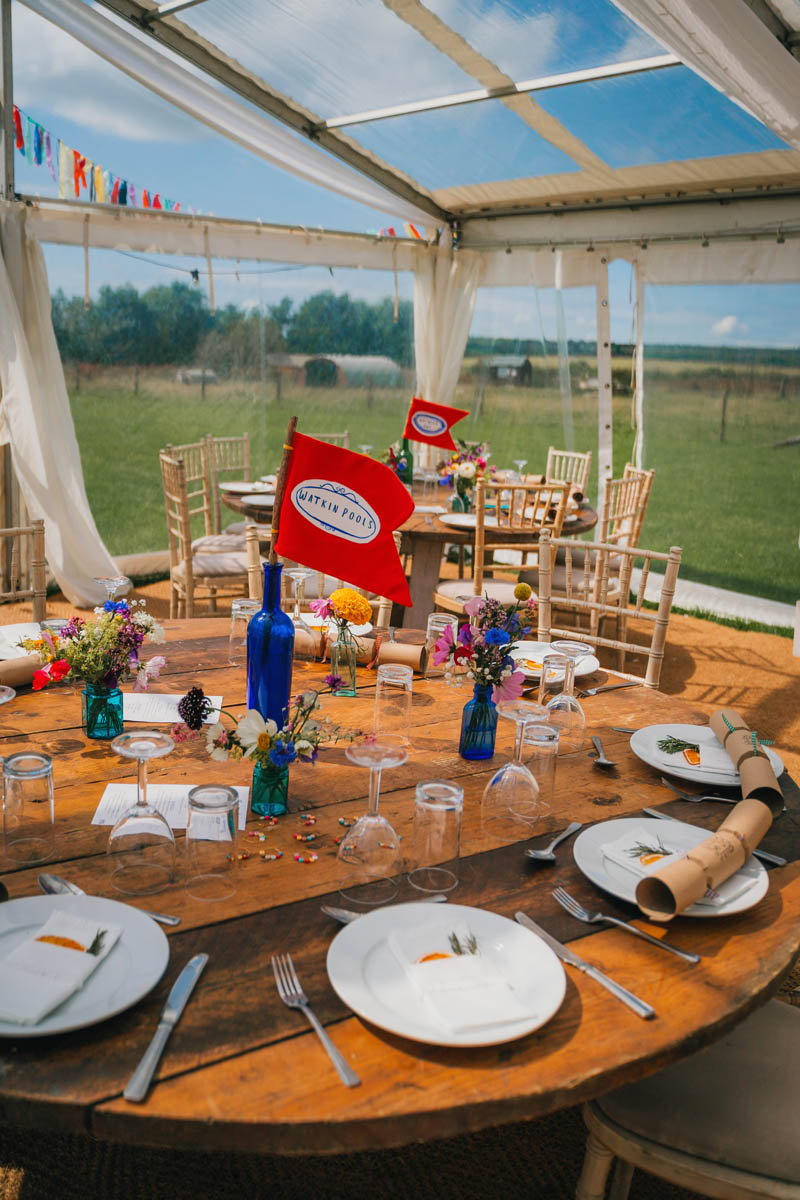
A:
(406, 471)
(270, 645)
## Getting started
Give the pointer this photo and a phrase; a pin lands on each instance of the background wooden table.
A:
(243, 1072)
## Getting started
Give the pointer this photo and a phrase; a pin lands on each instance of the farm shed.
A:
(509, 369)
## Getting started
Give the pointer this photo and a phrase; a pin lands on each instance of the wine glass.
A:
(6, 694)
(306, 640)
(142, 844)
(519, 463)
(563, 709)
(365, 449)
(371, 849)
(512, 803)
(112, 584)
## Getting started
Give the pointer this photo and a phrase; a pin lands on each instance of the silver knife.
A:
(182, 989)
(568, 956)
(774, 859)
(55, 885)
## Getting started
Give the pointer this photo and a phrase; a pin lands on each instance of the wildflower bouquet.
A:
(469, 463)
(256, 739)
(101, 652)
(344, 607)
(398, 457)
(483, 646)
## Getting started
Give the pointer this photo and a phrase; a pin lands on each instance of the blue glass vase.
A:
(270, 644)
(269, 794)
(101, 710)
(479, 724)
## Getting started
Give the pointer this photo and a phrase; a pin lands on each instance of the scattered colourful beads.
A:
(270, 855)
(306, 837)
(307, 819)
(241, 857)
(306, 858)
(346, 821)
(269, 820)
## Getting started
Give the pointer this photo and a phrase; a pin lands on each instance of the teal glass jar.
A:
(101, 711)
(269, 792)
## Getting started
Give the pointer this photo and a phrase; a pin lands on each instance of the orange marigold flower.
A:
(350, 605)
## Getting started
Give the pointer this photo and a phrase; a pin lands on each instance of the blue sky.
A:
(114, 121)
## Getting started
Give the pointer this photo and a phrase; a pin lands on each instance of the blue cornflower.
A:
(116, 606)
(496, 637)
(283, 753)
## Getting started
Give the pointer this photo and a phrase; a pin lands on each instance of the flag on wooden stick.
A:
(431, 423)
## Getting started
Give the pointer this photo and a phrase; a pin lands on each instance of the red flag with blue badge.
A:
(431, 423)
(338, 514)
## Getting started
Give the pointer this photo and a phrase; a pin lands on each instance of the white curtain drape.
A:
(726, 43)
(36, 417)
(216, 108)
(445, 290)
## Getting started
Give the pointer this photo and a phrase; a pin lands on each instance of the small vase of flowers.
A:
(270, 749)
(482, 649)
(101, 653)
(469, 463)
(345, 607)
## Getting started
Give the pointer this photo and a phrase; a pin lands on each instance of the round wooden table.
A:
(243, 1072)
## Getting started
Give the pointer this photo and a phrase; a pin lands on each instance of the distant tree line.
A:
(767, 356)
(173, 324)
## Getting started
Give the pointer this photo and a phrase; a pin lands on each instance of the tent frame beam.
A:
(231, 75)
(6, 104)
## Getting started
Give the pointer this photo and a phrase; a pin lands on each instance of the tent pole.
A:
(605, 445)
(6, 104)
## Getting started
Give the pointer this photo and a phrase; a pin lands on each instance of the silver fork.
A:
(293, 996)
(693, 796)
(594, 918)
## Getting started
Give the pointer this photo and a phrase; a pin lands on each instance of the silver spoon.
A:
(547, 855)
(601, 760)
(346, 915)
(55, 885)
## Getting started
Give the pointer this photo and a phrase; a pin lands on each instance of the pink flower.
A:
(441, 651)
(150, 670)
(473, 606)
(510, 688)
(322, 607)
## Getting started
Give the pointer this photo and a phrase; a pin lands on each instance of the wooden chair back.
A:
(336, 439)
(569, 466)
(179, 508)
(255, 580)
(592, 593)
(519, 508)
(619, 515)
(646, 480)
(225, 456)
(24, 569)
(197, 479)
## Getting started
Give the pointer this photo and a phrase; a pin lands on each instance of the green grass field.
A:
(731, 505)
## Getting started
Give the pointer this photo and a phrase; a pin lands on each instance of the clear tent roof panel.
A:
(658, 116)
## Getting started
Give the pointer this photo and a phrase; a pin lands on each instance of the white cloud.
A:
(728, 325)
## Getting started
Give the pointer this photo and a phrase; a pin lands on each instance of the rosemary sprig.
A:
(675, 745)
(470, 944)
(97, 944)
(640, 849)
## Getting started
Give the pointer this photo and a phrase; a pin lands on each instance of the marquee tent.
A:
(664, 133)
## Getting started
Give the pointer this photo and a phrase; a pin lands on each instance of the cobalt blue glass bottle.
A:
(479, 724)
(270, 643)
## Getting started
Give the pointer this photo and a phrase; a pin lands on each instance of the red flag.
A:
(339, 511)
(431, 423)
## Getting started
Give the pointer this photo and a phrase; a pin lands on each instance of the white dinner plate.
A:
(367, 977)
(587, 850)
(132, 968)
(644, 745)
(11, 634)
(466, 521)
(536, 651)
(240, 487)
(315, 622)
(259, 499)
(429, 508)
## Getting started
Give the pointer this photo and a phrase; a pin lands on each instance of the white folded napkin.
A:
(38, 976)
(622, 853)
(462, 992)
(713, 757)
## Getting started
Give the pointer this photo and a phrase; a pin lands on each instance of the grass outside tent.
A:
(731, 505)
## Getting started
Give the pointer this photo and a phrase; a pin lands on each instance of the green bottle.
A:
(406, 471)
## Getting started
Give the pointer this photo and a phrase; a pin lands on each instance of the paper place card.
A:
(45, 969)
(643, 854)
(12, 635)
(170, 799)
(153, 708)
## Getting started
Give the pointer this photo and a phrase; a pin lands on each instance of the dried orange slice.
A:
(433, 957)
(692, 757)
(67, 943)
(648, 859)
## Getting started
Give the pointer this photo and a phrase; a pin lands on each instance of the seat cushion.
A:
(216, 565)
(264, 531)
(461, 589)
(218, 543)
(735, 1103)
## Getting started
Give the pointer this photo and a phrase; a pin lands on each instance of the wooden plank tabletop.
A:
(243, 1072)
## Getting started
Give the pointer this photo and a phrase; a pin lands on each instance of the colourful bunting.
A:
(20, 140)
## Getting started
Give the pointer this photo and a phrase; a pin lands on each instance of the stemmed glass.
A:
(305, 641)
(511, 799)
(563, 709)
(365, 449)
(372, 848)
(142, 844)
(519, 463)
(112, 584)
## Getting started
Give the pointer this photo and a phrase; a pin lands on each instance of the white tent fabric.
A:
(445, 290)
(37, 420)
(216, 108)
(730, 47)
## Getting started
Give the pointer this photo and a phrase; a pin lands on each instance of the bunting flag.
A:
(74, 173)
(431, 423)
(338, 515)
